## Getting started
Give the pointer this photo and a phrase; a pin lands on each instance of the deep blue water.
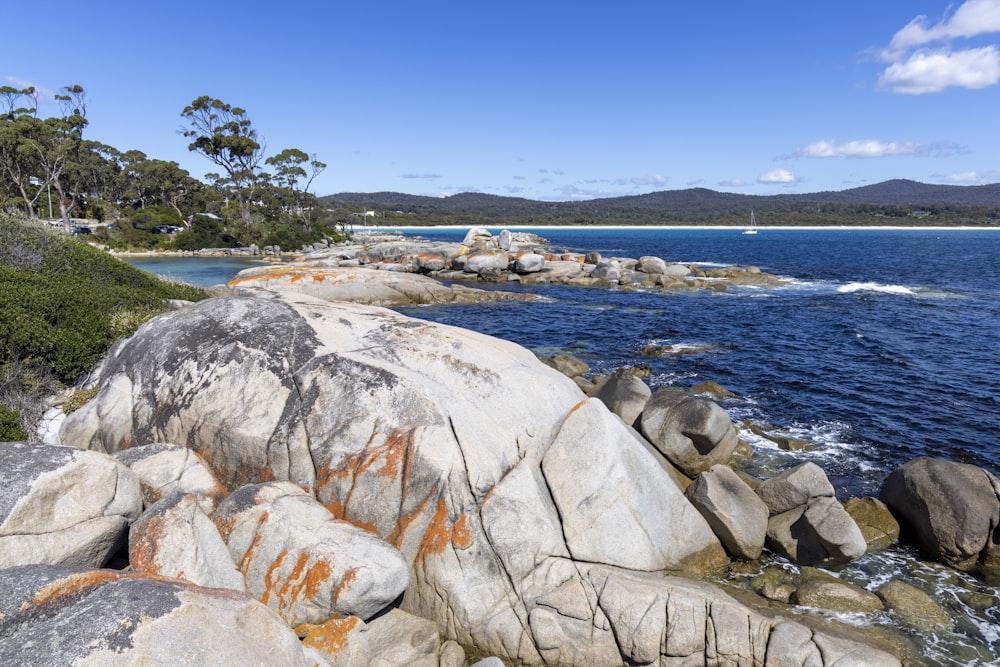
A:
(884, 347)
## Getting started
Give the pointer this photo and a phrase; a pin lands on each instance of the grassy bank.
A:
(62, 305)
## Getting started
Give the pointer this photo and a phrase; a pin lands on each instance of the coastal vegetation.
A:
(50, 169)
(62, 305)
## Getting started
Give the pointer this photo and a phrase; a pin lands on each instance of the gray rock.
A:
(488, 471)
(818, 533)
(529, 262)
(487, 263)
(692, 431)
(735, 513)
(625, 395)
(953, 509)
(62, 616)
(164, 469)
(62, 505)
(652, 265)
(606, 517)
(794, 488)
(607, 270)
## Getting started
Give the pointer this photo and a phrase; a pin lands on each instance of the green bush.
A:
(63, 303)
(10, 425)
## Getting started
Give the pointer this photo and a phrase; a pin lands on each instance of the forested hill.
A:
(896, 202)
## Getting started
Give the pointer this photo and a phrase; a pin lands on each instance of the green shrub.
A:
(10, 425)
(63, 303)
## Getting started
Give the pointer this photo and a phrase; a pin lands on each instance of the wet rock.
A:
(774, 583)
(880, 528)
(693, 432)
(914, 607)
(63, 505)
(821, 590)
(713, 388)
(952, 508)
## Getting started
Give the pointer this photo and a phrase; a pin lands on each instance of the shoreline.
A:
(760, 229)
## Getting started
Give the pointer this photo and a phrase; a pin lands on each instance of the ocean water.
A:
(883, 346)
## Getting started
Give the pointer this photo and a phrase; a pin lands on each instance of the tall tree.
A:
(21, 175)
(223, 134)
(290, 173)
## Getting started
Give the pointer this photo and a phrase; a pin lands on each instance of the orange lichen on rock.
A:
(72, 584)
(330, 637)
(143, 548)
(302, 580)
(442, 532)
(345, 582)
(269, 575)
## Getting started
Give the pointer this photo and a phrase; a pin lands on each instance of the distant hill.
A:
(870, 204)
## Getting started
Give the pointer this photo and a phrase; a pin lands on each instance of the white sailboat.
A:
(752, 229)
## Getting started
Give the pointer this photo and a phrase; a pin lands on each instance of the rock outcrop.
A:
(534, 524)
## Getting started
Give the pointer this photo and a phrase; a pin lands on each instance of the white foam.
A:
(875, 287)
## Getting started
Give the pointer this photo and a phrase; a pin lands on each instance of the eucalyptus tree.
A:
(226, 137)
(290, 173)
(20, 171)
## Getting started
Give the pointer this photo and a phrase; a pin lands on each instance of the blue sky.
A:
(544, 100)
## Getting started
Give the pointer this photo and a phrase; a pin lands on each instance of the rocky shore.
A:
(346, 272)
(286, 477)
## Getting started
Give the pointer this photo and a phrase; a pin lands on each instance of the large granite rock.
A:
(625, 395)
(63, 616)
(692, 431)
(62, 505)
(952, 508)
(536, 525)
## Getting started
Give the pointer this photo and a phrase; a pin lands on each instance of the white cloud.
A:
(933, 71)
(859, 149)
(777, 176)
(922, 60)
(974, 17)
(734, 183)
(969, 177)
(420, 176)
(642, 181)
